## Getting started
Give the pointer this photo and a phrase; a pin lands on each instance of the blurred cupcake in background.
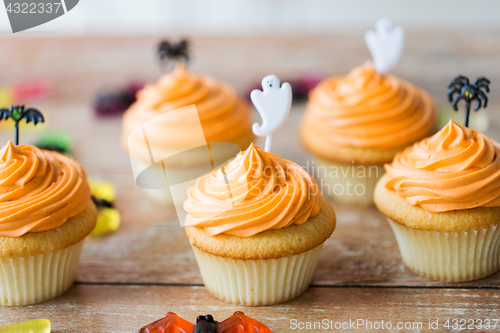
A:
(355, 123)
(224, 117)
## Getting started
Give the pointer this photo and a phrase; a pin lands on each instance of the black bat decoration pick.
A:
(172, 52)
(460, 88)
(19, 112)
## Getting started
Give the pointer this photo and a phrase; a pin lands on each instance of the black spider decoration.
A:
(462, 89)
(173, 51)
(19, 112)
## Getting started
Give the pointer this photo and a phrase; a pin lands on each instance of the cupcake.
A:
(224, 117)
(257, 227)
(355, 123)
(45, 214)
(442, 199)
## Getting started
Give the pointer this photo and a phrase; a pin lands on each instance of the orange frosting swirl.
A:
(39, 189)
(256, 191)
(457, 168)
(223, 115)
(370, 110)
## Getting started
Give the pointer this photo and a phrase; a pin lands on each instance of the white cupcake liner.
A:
(345, 186)
(449, 256)
(257, 282)
(35, 279)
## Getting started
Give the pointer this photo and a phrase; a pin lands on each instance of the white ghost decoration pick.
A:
(385, 44)
(273, 105)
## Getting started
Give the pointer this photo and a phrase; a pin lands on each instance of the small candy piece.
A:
(109, 104)
(55, 141)
(171, 323)
(205, 324)
(30, 90)
(31, 326)
(108, 220)
(102, 189)
(24, 92)
(239, 323)
(129, 94)
(103, 195)
(115, 103)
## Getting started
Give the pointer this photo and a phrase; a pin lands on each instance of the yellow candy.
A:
(5, 98)
(32, 326)
(108, 220)
(102, 189)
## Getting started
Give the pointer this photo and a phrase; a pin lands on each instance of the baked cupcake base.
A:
(452, 246)
(257, 282)
(348, 183)
(35, 279)
(449, 256)
(39, 266)
(271, 267)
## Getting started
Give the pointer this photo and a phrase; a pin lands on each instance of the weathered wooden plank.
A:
(362, 251)
(101, 308)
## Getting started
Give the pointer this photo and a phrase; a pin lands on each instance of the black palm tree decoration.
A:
(462, 89)
(19, 112)
(168, 51)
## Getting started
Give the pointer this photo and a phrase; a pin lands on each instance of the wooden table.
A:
(134, 276)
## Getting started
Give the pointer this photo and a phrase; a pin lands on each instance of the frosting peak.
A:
(369, 110)
(39, 190)
(457, 168)
(256, 191)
